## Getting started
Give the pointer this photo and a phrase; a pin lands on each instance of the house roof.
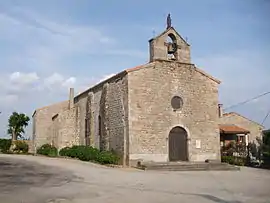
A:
(237, 114)
(232, 129)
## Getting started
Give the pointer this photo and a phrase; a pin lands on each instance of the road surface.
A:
(32, 179)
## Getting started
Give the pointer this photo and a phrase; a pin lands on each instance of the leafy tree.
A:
(16, 124)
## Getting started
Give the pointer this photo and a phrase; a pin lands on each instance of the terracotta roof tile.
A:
(134, 68)
(232, 129)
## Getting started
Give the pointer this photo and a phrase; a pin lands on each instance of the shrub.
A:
(5, 145)
(20, 146)
(239, 161)
(227, 159)
(106, 157)
(64, 151)
(47, 150)
(87, 153)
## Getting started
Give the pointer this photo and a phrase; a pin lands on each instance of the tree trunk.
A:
(14, 137)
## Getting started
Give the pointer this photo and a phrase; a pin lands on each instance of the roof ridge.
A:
(146, 65)
(110, 78)
(206, 74)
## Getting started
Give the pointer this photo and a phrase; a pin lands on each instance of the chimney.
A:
(71, 98)
(220, 110)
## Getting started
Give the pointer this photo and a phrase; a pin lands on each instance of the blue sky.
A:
(49, 46)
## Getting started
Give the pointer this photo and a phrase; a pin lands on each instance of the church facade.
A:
(165, 110)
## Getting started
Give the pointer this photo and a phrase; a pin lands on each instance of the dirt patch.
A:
(18, 175)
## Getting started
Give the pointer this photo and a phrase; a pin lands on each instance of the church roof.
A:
(196, 69)
(136, 68)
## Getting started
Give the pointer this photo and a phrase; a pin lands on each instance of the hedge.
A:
(47, 150)
(88, 153)
(5, 145)
(239, 161)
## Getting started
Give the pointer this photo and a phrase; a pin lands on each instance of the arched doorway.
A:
(178, 144)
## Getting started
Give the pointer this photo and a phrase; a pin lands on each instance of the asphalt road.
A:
(30, 179)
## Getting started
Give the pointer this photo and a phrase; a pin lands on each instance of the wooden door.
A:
(178, 144)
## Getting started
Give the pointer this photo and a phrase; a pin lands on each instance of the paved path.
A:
(30, 179)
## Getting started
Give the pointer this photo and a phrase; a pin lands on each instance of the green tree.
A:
(16, 124)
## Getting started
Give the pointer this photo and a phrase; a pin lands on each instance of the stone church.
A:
(165, 110)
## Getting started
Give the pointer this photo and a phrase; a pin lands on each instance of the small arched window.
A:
(171, 46)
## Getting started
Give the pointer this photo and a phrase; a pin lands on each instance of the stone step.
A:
(186, 166)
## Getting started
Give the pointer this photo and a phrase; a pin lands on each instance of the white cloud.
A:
(17, 83)
(55, 78)
(59, 81)
(23, 78)
(70, 82)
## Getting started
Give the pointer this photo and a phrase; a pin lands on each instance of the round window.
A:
(177, 102)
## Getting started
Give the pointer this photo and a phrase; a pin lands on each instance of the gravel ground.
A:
(32, 179)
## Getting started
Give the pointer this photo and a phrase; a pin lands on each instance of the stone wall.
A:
(117, 116)
(66, 128)
(236, 119)
(112, 112)
(42, 122)
(89, 121)
(96, 115)
(105, 117)
(151, 116)
(81, 104)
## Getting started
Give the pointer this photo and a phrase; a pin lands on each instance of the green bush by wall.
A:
(87, 153)
(47, 150)
(5, 145)
(239, 161)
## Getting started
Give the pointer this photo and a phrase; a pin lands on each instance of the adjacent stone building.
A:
(42, 122)
(234, 126)
(165, 110)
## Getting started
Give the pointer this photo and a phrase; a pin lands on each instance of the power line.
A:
(268, 113)
(249, 100)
